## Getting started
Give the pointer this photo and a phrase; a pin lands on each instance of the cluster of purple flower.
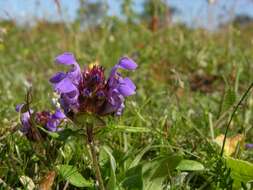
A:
(49, 121)
(88, 91)
(84, 91)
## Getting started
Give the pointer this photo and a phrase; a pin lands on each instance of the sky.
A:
(192, 12)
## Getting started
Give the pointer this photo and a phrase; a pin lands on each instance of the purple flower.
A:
(44, 119)
(88, 91)
(25, 119)
(50, 121)
(66, 84)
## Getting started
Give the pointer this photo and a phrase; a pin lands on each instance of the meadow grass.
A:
(188, 82)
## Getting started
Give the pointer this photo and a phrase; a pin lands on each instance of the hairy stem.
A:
(90, 140)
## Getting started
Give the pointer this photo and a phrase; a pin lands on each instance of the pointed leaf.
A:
(137, 159)
(241, 171)
(133, 179)
(112, 181)
(71, 174)
(190, 165)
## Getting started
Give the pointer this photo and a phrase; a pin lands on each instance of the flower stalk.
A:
(90, 140)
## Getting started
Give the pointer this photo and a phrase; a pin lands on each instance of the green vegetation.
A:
(188, 83)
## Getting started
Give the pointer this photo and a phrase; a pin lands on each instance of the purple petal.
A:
(52, 125)
(75, 74)
(68, 103)
(124, 63)
(114, 97)
(129, 83)
(57, 77)
(58, 114)
(120, 109)
(127, 63)
(114, 79)
(127, 87)
(65, 86)
(19, 107)
(66, 58)
(126, 91)
(25, 121)
(72, 94)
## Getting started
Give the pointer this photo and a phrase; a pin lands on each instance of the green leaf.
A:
(137, 159)
(71, 174)
(64, 134)
(165, 165)
(190, 165)
(155, 172)
(133, 179)
(149, 169)
(156, 184)
(61, 135)
(112, 181)
(241, 171)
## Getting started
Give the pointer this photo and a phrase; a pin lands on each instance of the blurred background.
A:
(209, 14)
(185, 45)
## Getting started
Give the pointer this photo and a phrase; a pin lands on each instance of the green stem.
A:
(232, 115)
(91, 144)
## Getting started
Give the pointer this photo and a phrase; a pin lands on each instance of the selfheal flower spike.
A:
(45, 119)
(50, 121)
(88, 91)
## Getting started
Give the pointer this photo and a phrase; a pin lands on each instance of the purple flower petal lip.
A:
(68, 103)
(124, 63)
(127, 63)
(126, 91)
(75, 74)
(65, 86)
(25, 121)
(57, 77)
(52, 125)
(19, 107)
(66, 58)
(72, 94)
(127, 87)
(58, 114)
(129, 83)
